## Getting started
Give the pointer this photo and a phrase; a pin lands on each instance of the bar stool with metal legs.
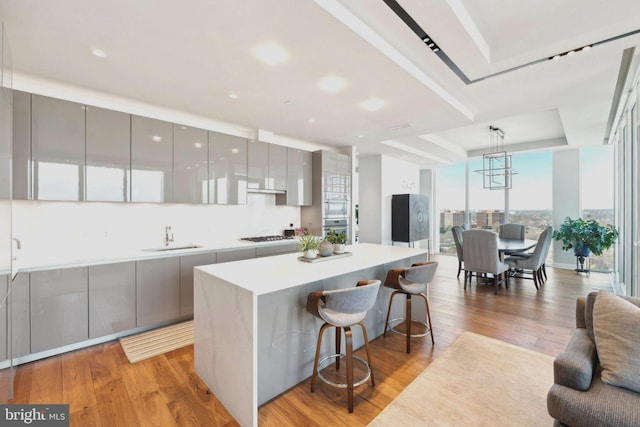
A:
(343, 308)
(410, 281)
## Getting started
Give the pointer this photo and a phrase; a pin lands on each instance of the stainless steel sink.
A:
(172, 247)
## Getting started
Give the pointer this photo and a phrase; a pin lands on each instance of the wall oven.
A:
(337, 225)
(335, 205)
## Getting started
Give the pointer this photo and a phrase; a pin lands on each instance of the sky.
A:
(532, 185)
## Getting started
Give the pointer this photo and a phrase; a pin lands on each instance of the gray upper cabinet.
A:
(258, 165)
(299, 179)
(267, 166)
(59, 308)
(57, 143)
(343, 164)
(112, 298)
(151, 160)
(5, 151)
(21, 146)
(227, 169)
(108, 152)
(277, 176)
(190, 181)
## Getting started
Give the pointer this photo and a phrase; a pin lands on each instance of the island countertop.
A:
(265, 275)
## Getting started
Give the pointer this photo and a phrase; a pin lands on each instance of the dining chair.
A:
(511, 231)
(457, 231)
(481, 255)
(533, 263)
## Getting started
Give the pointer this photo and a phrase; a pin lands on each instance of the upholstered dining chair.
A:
(410, 281)
(343, 308)
(511, 231)
(534, 262)
(481, 255)
(457, 231)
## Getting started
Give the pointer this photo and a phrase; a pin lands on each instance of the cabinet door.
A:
(4, 287)
(59, 308)
(190, 182)
(299, 179)
(236, 255)
(57, 144)
(187, 263)
(21, 315)
(343, 164)
(157, 291)
(227, 169)
(5, 155)
(329, 161)
(277, 173)
(151, 160)
(258, 165)
(108, 155)
(112, 298)
(285, 248)
(21, 150)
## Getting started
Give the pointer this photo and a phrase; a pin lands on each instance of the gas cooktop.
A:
(267, 238)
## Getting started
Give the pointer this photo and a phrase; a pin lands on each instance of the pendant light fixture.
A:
(496, 165)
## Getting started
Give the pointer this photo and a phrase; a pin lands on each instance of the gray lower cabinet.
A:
(236, 255)
(112, 298)
(157, 291)
(187, 263)
(262, 251)
(19, 297)
(59, 308)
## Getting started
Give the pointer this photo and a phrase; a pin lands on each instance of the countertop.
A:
(88, 256)
(265, 275)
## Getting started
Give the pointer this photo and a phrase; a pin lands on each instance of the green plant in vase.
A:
(308, 245)
(339, 241)
(585, 237)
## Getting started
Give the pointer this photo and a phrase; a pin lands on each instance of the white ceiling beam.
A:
(470, 27)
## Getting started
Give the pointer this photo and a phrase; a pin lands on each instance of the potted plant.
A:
(308, 245)
(585, 237)
(339, 241)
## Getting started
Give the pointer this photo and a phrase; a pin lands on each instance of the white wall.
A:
(566, 199)
(57, 229)
(427, 184)
(381, 177)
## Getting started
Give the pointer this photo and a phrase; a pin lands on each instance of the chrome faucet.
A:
(168, 235)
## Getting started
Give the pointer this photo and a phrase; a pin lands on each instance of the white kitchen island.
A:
(253, 336)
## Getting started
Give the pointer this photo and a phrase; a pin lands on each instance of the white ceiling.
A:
(189, 55)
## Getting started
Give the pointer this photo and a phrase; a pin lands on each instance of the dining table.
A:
(514, 245)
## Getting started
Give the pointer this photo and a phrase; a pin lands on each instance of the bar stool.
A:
(343, 308)
(410, 281)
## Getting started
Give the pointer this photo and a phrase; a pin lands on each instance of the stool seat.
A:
(343, 308)
(410, 281)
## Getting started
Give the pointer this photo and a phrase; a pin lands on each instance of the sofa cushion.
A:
(616, 327)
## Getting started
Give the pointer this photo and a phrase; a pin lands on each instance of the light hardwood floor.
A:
(104, 389)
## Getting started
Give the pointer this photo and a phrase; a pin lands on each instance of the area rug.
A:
(153, 343)
(477, 381)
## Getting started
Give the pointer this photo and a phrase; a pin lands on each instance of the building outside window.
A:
(450, 193)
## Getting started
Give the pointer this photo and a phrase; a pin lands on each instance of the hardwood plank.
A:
(165, 390)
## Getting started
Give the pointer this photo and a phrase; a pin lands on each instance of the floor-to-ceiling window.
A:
(597, 195)
(486, 207)
(450, 203)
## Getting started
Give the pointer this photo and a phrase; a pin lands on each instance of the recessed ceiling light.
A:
(197, 144)
(235, 150)
(311, 120)
(156, 138)
(233, 95)
(99, 53)
(332, 84)
(372, 104)
(270, 53)
(360, 136)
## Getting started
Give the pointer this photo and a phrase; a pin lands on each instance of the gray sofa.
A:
(578, 396)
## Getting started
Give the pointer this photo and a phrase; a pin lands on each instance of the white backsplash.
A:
(52, 227)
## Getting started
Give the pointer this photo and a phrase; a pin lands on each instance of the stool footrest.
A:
(343, 385)
(397, 319)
